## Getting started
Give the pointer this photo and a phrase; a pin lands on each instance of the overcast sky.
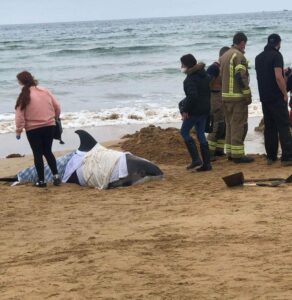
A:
(41, 11)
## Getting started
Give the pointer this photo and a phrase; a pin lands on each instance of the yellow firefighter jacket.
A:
(235, 77)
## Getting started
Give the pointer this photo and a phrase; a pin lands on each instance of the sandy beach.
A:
(115, 69)
(185, 237)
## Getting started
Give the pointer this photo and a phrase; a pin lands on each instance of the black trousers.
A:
(41, 140)
(277, 126)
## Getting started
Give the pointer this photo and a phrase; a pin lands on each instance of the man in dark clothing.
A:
(195, 109)
(273, 95)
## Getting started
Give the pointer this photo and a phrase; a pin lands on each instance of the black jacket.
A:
(197, 90)
(265, 64)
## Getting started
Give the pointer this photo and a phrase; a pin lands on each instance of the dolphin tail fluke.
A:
(9, 179)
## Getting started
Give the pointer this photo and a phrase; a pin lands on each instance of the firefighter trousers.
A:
(236, 115)
(216, 139)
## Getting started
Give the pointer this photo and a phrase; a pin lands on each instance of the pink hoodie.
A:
(41, 111)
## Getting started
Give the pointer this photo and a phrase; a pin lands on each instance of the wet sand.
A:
(254, 140)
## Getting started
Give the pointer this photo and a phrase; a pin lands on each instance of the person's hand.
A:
(184, 116)
(286, 97)
(290, 102)
(287, 71)
(248, 100)
(18, 137)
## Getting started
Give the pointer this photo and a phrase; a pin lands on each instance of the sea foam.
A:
(119, 117)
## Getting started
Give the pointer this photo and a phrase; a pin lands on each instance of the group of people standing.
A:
(222, 92)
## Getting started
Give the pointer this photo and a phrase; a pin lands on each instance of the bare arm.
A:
(281, 82)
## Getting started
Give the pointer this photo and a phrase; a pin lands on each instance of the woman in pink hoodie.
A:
(36, 110)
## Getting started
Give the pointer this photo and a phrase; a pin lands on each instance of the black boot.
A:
(192, 148)
(243, 160)
(219, 152)
(212, 155)
(206, 158)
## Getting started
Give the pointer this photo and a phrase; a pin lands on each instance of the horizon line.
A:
(145, 18)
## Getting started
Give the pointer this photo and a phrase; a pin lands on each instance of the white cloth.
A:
(98, 166)
(120, 169)
(79, 173)
(74, 163)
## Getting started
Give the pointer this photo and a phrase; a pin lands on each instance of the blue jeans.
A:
(199, 122)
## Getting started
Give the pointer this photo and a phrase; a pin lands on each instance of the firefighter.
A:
(236, 97)
(216, 139)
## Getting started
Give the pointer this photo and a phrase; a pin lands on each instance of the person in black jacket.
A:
(269, 67)
(195, 109)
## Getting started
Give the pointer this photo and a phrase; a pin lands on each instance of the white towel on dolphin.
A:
(74, 163)
(98, 166)
(120, 169)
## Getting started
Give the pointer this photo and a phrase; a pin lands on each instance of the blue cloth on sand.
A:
(30, 174)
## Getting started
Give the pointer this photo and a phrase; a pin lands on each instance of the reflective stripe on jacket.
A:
(233, 64)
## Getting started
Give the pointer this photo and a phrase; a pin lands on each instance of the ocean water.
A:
(125, 71)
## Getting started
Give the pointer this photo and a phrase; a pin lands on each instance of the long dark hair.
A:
(27, 80)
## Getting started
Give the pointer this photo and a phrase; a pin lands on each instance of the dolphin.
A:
(139, 169)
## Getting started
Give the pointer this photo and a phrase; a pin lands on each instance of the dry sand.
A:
(186, 237)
